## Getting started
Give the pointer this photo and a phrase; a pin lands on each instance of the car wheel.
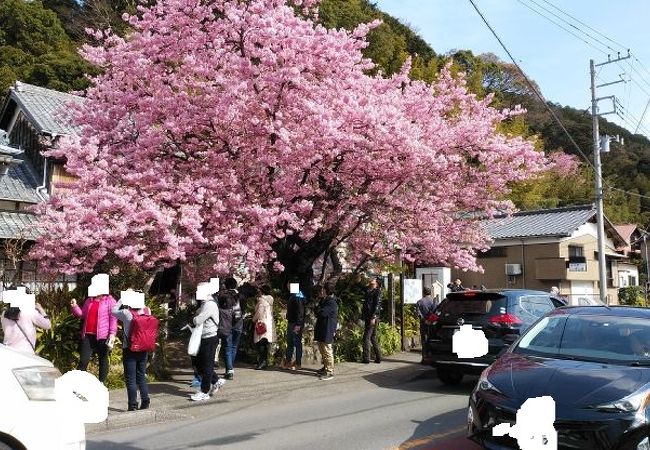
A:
(449, 377)
(4, 446)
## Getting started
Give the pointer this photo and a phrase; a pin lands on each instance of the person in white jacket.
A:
(264, 327)
(208, 315)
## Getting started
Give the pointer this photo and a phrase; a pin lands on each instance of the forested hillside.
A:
(38, 40)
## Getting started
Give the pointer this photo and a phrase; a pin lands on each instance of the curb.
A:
(128, 419)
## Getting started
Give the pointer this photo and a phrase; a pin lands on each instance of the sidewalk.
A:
(170, 399)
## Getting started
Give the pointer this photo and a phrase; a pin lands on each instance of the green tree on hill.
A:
(35, 48)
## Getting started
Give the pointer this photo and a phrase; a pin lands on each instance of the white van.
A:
(30, 417)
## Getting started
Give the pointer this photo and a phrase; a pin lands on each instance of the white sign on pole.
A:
(412, 290)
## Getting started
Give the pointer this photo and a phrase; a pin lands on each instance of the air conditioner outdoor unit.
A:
(513, 269)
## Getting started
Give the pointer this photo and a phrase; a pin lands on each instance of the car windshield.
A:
(616, 340)
(474, 305)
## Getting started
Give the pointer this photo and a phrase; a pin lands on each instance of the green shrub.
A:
(389, 338)
(631, 296)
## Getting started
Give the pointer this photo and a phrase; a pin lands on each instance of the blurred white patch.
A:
(203, 291)
(214, 282)
(98, 285)
(19, 298)
(294, 288)
(132, 299)
(469, 343)
(83, 397)
(534, 427)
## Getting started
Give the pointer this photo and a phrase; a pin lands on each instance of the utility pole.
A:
(602, 268)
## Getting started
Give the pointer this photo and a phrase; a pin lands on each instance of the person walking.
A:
(19, 327)
(370, 314)
(425, 307)
(327, 313)
(134, 363)
(457, 286)
(295, 325)
(97, 332)
(263, 326)
(231, 323)
(208, 315)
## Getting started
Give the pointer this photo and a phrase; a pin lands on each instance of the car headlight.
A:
(485, 385)
(636, 401)
(38, 381)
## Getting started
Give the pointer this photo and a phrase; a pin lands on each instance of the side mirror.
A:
(509, 339)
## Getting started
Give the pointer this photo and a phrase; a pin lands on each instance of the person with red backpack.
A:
(140, 331)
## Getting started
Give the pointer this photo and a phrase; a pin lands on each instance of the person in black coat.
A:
(370, 313)
(327, 312)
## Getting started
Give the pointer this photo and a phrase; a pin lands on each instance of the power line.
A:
(546, 105)
(562, 27)
(532, 86)
(571, 25)
(584, 24)
(590, 44)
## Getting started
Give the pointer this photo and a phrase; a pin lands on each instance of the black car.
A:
(502, 315)
(593, 361)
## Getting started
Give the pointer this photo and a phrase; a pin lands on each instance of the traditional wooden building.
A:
(32, 119)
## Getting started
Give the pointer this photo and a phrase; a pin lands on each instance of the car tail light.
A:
(432, 318)
(505, 320)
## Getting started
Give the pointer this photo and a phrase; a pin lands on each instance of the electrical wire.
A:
(571, 25)
(591, 44)
(584, 24)
(562, 27)
(548, 108)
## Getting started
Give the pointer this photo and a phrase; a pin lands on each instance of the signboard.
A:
(577, 267)
(412, 291)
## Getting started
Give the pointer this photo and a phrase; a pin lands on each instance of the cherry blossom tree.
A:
(244, 129)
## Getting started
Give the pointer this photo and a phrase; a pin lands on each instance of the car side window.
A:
(529, 309)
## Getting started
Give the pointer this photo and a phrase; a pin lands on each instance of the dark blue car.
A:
(593, 361)
(501, 314)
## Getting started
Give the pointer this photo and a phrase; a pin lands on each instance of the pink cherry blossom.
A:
(249, 132)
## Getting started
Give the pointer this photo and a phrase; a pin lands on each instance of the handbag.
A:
(195, 340)
(260, 328)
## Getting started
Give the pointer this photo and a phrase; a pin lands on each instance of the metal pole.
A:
(401, 314)
(647, 268)
(602, 269)
(391, 299)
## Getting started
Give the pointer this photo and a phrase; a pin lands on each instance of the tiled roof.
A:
(45, 107)
(19, 184)
(18, 225)
(558, 222)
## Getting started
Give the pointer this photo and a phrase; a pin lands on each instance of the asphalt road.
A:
(406, 408)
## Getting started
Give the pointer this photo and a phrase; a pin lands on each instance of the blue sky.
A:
(556, 60)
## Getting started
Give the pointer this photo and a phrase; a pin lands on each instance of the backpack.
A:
(225, 323)
(144, 331)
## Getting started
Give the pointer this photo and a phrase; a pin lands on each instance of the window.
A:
(577, 261)
(576, 251)
(632, 281)
(531, 308)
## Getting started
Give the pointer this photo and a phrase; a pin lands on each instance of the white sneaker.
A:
(200, 396)
(215, 387)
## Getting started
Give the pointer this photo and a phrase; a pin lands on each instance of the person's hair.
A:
(317, 291)
(426, 291)
(230, 283)
(330, 288)
(266, 289)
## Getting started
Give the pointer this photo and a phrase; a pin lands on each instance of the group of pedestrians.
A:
(221, 320)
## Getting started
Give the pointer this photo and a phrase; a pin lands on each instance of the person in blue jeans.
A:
(295, 326)
(231, 323)
(135, 363)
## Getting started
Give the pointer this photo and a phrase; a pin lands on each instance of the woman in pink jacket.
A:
(20, 327)
(98, 331)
